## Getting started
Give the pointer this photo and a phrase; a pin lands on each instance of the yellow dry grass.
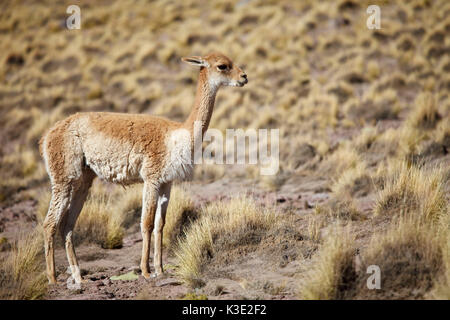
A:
(22, 270)
(99, 223)
(408, 188)
(325, 277)
(355, 180)
(232, 219)
(344, 158)
(441, 288)
(411, 256)
(425, 113)
(181, 213)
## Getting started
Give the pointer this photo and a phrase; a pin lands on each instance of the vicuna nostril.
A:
(244, 76)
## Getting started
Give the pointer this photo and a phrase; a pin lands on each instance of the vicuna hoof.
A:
(72, 285)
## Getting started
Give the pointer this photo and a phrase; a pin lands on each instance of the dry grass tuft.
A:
(99, 224)
(354, 182)
(344, 158)
(425, 114)
(366, 138)
(438, 145)
(22, 272)
(342, 208)
(331, 270)
(408, 188)
(315, 224)
(128, 204)
(220, 225)
(441, 288)
(398, 143)
(410, 256)
(180, 214)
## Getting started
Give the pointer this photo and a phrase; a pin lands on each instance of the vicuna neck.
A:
(204, 103)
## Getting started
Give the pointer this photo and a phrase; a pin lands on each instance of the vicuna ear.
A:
(196, 61)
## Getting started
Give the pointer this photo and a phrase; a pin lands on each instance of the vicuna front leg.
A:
(163, 202)
(150, 198)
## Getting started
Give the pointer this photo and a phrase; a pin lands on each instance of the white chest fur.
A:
(178, 164)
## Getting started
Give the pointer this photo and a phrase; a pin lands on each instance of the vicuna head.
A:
(221, 71)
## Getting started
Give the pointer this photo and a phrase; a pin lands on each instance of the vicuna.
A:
(126, 149)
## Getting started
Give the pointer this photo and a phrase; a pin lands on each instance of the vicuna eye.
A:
(222, 67)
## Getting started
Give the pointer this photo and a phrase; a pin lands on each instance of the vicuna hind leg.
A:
(150, 196)
(160, 220)
(59, 204)
(79, 194)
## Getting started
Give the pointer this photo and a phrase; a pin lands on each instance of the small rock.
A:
(106, 282)
(281, 199)
(135, 269)
(95, 278)
(167, 282)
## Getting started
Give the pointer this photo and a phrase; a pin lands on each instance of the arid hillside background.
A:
(364, 120)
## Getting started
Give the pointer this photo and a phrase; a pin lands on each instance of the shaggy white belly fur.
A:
(106, 158)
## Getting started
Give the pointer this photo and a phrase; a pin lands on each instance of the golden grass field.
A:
(364, 120)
